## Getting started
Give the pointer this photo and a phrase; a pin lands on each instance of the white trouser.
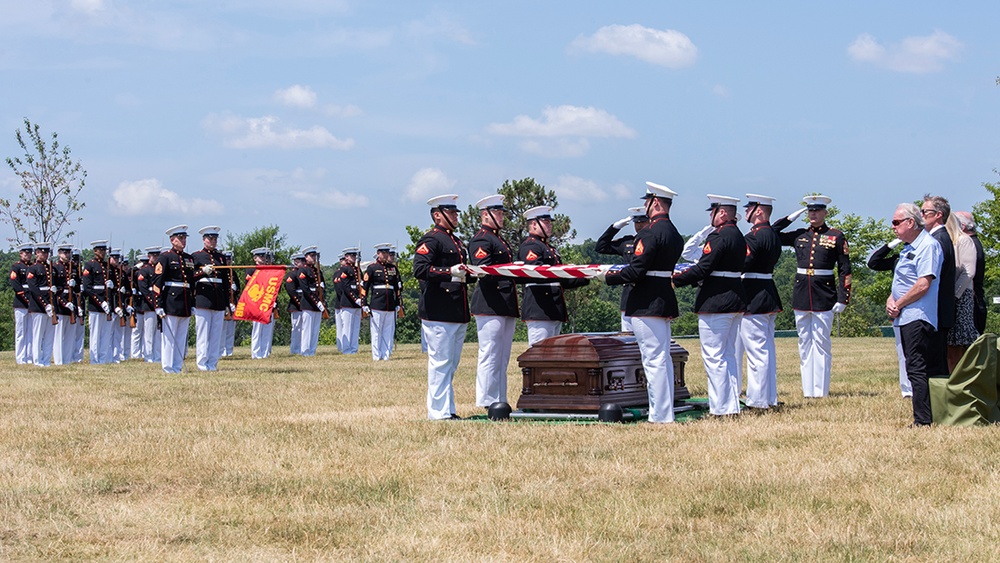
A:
(718, 333)
(261, 337)
(295, 340)
(383, 329)
(338, 321)
(100, 338)
(653, 336)
(208, 338)
(63, 341)
(757, 339)
(814, 351)
(42, 333)
(540, 330)
(119, 341)
(22, 336)
(626, 323)
(174, 343)
(228, 337)
(496, 335)
(444, 350)
(348, 328)
(79, 334)
(138, 335)
(904, 380)
(310, 332)
(150, 338)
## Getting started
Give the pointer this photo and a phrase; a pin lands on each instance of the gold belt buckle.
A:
(810, 272)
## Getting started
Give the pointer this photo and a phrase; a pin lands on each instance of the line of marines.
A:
(736, 302)
(144, 312)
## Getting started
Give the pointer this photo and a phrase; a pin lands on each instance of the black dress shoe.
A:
(454, 417)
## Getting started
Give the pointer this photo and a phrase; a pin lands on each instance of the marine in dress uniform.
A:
(135, 302)
(211, 299)
(44, 290)
(64, 339)
(439, 261)
(544, 307)
(146, 309)
(381, 300)
(349, 302)
(228, 321)
(120, 340)
(763, 304)
(98, 294)
(819, 291)
(623, 246)
(651, 302)
(494, 303)
(291, 285)
(79, 301)
(261, 334)
(173, 281)
(720, 303)
(313, 304)
(22, 322)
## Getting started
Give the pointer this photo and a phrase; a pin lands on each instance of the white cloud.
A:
(88, 6)
(916, 55)
(574, 188)
(427, 183)
(556, 148)
(263, 132)
(332, 199)
(349, 110)
(296, 96)
(661, 47)
(565, 121)
(441, 26)
(145, 197)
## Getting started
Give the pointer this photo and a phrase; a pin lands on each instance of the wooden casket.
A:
(582, 372)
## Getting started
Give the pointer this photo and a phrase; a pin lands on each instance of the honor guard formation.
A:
(143, 311)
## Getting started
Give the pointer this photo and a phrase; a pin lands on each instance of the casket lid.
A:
(587, 347)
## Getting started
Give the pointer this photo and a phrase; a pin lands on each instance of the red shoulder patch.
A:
(86, 272)
(289, 280)
(302, 275)
(707, 249)
(31, 276)
(481, 253)
(13, 275)
(847, 251)
(141, 278)
(748, 250)
(531, 255)
(423, 249)
(639, 249)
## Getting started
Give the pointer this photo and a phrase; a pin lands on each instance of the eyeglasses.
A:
(924, 212)
(898, 222)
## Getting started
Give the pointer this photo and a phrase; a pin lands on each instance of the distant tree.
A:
(519, 196)
(987, 214)
(51, 182)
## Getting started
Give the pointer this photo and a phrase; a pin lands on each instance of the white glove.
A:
(110, 284)
(839, 307)
(322, 307)
(119, 312)
(232, 308)
(367, 310)
(399, 308)
(129, 309)
(894, 243)
(357, 302)
(321, 284)
(207, 269)
(620, 224)
(104, 305)
(49, 310)
(160, 312)
(692, 248)
(71, 282)
(71, 307)
(795, 215)
(234, 287)
(121, 290)
(458, 272)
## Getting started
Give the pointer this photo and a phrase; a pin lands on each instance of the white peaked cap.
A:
(209, 230)
(495, 200)
(177, 230)
(721, 200)
(656, 190)
(536, 212)
(816, 201)
(759, 200)
(447, 200)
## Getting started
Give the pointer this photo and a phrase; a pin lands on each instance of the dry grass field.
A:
(330, 458)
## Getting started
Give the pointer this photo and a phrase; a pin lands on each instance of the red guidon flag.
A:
(260, 294)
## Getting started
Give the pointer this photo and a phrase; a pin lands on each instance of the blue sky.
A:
(336, 119)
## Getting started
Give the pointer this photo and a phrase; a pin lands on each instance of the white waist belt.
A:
(211, 280)
(553, 284)
(659, 274)
(757, 276)
(383, 286)
(97, 287)
(813, 272)
(726, 274)
(175, 284)
(43, 288)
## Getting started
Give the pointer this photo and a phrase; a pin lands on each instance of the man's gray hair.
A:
(911, 211)
(940, 205)
(966, 221)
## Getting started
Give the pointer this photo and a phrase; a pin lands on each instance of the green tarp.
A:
(969, 396)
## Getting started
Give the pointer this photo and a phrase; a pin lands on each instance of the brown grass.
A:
(330, 458)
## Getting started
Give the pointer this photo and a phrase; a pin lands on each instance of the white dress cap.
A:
(209, 230)
(44, 245)
(262, 251)
(538, 212)
(447, 200)
(757, 199)
(65, 246)
(350, 250)
(177, 230)
(638, 214)
(721, 200)
(494, 201)
(152, 249)
(310, 250)
(26, 247)
(384, 247)
(656, 190)
(816, 201)
(99, 244)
